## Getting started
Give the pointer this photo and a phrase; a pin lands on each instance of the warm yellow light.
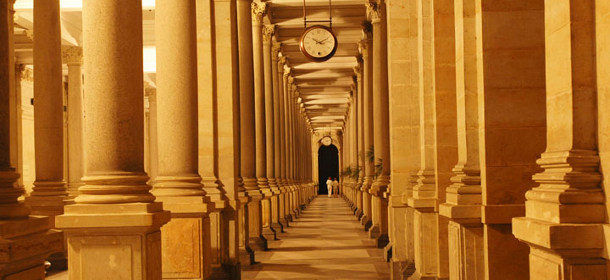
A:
(72, 4)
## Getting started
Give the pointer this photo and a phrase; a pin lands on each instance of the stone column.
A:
(73, 57)
(292, 149)
(221, 101)
(565, 213)
(257, 219)
(256, 215)
(270, 75)
(208, 154)
(361, 152)
(381, 123)
(250, 193)
(26, 240)
(150, 92)
(282, 129)
(277, 76)
(49, 193)
(178, 184)
(115, 201)
(463, 197)
(285, 135)
(404, 135)
(366, 47)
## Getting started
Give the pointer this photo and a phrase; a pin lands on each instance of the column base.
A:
(359, 214)
(374, 232)
(279, 228)
(382, 241)
(258, 243)
(417, 276)
(122, 241)
(364, 219)
(25, 244)
(226, 272)
(387, 252)
(246, 256)
(269, 233)
(285, 222)
(185, 247)
(397, 269)
(558, 251)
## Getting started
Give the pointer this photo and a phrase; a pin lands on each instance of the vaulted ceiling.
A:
(324, 87)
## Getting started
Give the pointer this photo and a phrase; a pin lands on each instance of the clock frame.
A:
(311, 57)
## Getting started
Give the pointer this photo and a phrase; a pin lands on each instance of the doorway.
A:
(328, 166)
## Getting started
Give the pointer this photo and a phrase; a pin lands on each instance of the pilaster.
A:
(568, 203)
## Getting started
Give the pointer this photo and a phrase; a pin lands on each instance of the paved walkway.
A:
(325, 242)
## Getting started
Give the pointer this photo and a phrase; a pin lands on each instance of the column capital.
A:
(149, 89)
(357, 69)
(373, 11)
(276, 47)
(290, 79)
(259, 9)
(268, 31)
(363, 46)
(72, 55)
(287, 71)
(294, 88)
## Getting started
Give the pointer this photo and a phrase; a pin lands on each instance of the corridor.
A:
(325, 242)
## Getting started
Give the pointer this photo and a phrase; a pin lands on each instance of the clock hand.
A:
(324, 39)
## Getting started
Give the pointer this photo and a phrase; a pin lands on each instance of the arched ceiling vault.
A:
(323, 87)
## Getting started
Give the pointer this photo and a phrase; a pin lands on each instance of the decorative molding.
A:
(29, 33)
(25, 74)
(72, 55)
(258, 11)
(149, 90)
(373, 11)
(276, 47)
(268, 31)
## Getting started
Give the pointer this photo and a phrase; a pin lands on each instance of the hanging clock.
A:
(326, 141)
(318, 43)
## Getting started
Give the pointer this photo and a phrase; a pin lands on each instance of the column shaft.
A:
(381, 124)
(367, 48)
(72, 56)
(26, 240)
(568, 202)
(49, 188)
(178, 184)
(115, 201)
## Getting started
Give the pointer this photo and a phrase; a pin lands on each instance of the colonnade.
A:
(186, 186)
(496, 138)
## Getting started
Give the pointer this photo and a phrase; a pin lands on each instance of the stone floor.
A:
(325, 242)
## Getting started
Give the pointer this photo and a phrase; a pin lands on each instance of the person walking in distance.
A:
(329, 186)
(336, 187)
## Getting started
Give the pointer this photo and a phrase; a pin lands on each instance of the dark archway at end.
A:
(328, 166)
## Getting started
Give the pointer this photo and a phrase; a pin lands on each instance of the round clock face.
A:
(326, 141)
(318, 43)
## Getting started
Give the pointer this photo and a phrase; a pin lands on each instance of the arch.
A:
(328, 166)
